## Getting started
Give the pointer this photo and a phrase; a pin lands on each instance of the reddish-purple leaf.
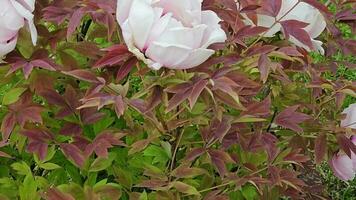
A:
(115, 55)
(289, 118)
(264, 64)
(82, 74)
(43, 64)
(320, 148)
(74, 21)
(53, 97)
(71, 129)
(272, 7)
(7, 125)
(126, 68)
(259, 108)
(73, 153)
(296, 29)
(176, 100)
(119, 106)
(55, 194)
(346, 144)
(197, 89)
(320, 6)
(193, 154)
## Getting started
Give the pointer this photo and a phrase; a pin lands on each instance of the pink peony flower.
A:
(172, 33)
(302, 12)
(343, 166)
(14, 14)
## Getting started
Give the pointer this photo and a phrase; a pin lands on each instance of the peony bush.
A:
(177, 99)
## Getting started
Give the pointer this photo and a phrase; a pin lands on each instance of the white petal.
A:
(30, 4)
(183, 36)
(122, 10)
(141, 19)
(214, 32)
(268, 22)
(318, 46)
(195, 58)
(10, 19)
(29, 17)
(159, 27)
(166, 54)
(6, 48)
(317, 26)
(350, 120)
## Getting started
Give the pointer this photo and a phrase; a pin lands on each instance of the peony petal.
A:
(167, 54)
(214, 32)
(14, 20)
(127, 34)
(141, 19)
(159, 27)
(30, 4)
(343, 167)
(350, 120)
(318, 46)
(29, 17)
(6, 48)
(186, 11)
(183, 36)
(195, 58)
(122, 10)
(268, 22)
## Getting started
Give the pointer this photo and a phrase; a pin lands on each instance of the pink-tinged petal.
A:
(350, 120)
(342, 167)
(6, 48)
(141, 19)
(14, 21)
(186, 11)
(123, 10)
(195, 58)
(166, 54)
(29, 17)
(128, 37)
(353, 139)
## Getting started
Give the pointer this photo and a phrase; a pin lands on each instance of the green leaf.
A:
(185, 188)
(28, 189)
(159, 154)
(248, 119)
(100, 164)
(123, 177)
(249, 192)
(13, 95)
(22, 168)
(49, 166)
(103, 124)
(143, 196)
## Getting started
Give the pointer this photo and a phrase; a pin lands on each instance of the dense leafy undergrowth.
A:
(85, 117)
